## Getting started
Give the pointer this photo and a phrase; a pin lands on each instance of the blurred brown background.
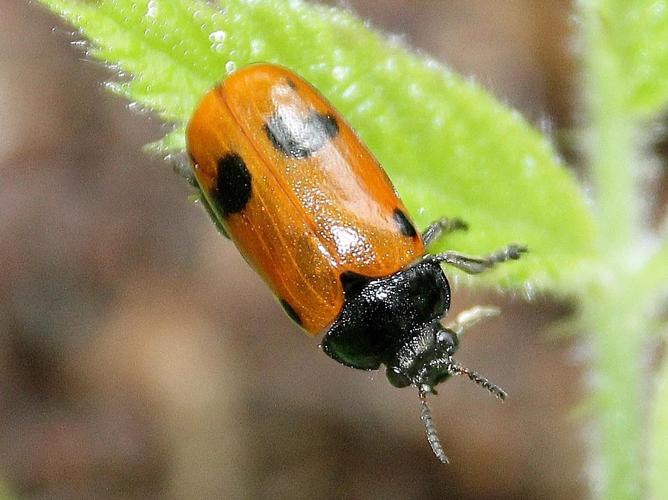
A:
(141, 358)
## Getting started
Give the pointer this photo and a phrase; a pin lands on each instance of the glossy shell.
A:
(296, 190)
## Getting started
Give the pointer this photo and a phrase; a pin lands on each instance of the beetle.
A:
(285, 177)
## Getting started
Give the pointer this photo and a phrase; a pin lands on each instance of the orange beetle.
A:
(309, 207)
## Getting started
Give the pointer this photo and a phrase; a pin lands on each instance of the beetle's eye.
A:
(396, 378)
(447, 339)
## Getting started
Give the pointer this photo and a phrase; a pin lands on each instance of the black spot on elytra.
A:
(290, 311)
(405, 226)
(353, 283)
(298, 137)
(291, 84)
(233, 185)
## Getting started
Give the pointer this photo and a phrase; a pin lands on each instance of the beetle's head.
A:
(424, 359)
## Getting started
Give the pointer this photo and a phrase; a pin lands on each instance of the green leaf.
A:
(636, 32)
(449, 146)
(658, 439)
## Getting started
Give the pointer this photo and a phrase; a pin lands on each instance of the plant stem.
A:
(658, 446)
(614, 333)
(609, 311)
(612, 135)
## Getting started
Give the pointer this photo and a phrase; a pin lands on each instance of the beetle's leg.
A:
(440, 227)
(476, 265)
(212, 215)
(466, 319)
(182, 165)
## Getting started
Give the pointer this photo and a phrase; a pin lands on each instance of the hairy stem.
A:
(609, 310)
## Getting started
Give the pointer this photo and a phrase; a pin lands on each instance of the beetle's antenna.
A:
(430, 428)
(456, 369)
